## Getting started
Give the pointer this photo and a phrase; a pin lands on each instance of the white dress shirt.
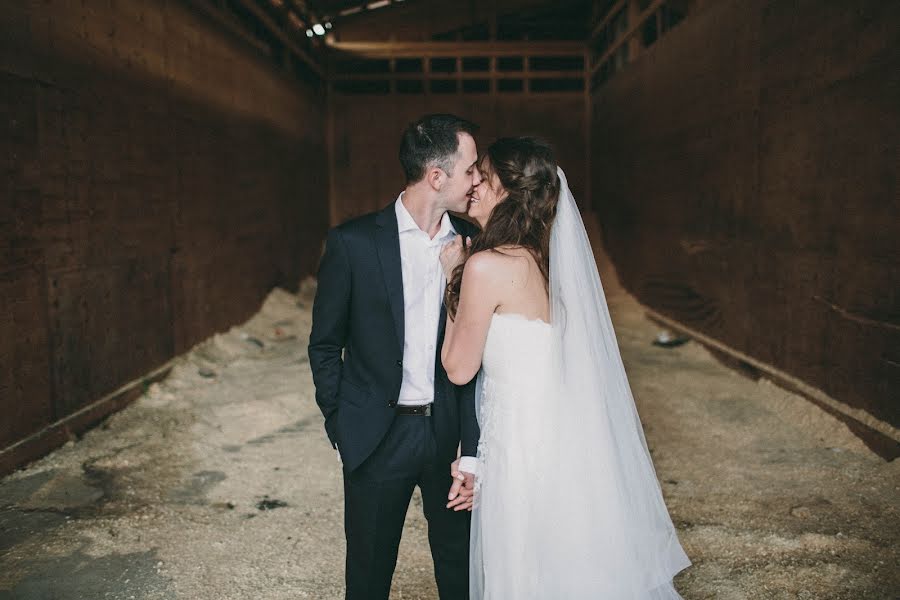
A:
(423, 291)
(423, 294)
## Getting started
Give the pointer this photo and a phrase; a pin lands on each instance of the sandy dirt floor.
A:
(219, 484)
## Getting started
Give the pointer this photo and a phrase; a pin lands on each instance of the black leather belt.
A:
(423, 410)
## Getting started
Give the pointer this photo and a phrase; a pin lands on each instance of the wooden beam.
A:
(56, 434)
(228, 22)
(276, 30)
(456, 49)
(579, 74)
(609, 16)
(634, 28)
(786, 380)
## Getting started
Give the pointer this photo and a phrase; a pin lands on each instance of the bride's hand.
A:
(462, 492)
(452, 255)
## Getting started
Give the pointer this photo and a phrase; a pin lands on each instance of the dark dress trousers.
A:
(356, 357)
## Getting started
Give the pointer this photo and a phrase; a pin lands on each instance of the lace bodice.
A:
(517, 384)
(518, 350)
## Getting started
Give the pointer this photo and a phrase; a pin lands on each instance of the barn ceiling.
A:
(297, 33)
(435, 19)
(334, 8)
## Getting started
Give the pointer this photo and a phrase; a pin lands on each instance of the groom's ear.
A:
(435, 178)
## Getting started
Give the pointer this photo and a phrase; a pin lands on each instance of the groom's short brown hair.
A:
(432, 140)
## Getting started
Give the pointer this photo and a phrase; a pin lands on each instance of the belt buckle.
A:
(423, 410)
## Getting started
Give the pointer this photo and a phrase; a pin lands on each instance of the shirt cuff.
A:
(469, 464)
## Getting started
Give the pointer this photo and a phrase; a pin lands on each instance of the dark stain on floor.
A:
(79, 576)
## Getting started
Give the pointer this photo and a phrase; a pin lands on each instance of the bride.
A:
(566, 503)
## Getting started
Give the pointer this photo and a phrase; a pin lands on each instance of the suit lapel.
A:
(387, 244)
(442, 324)
(462, 227)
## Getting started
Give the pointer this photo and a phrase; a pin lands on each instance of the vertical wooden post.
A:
(526, 72)
(634, 44)
(334, 214)
(585, 203)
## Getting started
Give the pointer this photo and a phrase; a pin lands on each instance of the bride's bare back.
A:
(505, 280)
(522, 289)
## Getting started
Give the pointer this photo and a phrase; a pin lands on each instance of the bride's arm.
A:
(466, 335)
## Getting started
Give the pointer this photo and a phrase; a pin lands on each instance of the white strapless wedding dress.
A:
(520, 549)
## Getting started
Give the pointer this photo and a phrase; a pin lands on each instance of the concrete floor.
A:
(219, 484)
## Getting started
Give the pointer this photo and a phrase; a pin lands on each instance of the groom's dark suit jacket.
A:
(359, 312)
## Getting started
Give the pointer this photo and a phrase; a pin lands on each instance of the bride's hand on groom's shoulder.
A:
(452, 255)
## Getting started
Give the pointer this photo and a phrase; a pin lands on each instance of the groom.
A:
(375, 346)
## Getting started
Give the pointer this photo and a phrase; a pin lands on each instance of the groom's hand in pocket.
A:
(462, 492)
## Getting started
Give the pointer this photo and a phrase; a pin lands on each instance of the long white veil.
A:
(605, 526)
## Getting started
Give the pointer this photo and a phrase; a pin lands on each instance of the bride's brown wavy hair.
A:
(526, 168)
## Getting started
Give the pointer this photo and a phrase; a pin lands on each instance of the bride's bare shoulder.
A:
(485, 261)
(488, 263)
(495, 265)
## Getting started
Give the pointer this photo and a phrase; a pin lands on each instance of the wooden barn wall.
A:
(745, 172)
(159, 178)
(366, 130)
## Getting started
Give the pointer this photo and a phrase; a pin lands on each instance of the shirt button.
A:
(399, 363)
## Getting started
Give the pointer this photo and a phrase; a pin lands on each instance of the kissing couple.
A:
(482, 367)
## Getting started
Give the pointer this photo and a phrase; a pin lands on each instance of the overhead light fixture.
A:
(318, 29)
(350, 11)
(328, 25)
(379, 4)
(309, 33)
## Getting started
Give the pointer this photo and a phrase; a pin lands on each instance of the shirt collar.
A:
(405, 222)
